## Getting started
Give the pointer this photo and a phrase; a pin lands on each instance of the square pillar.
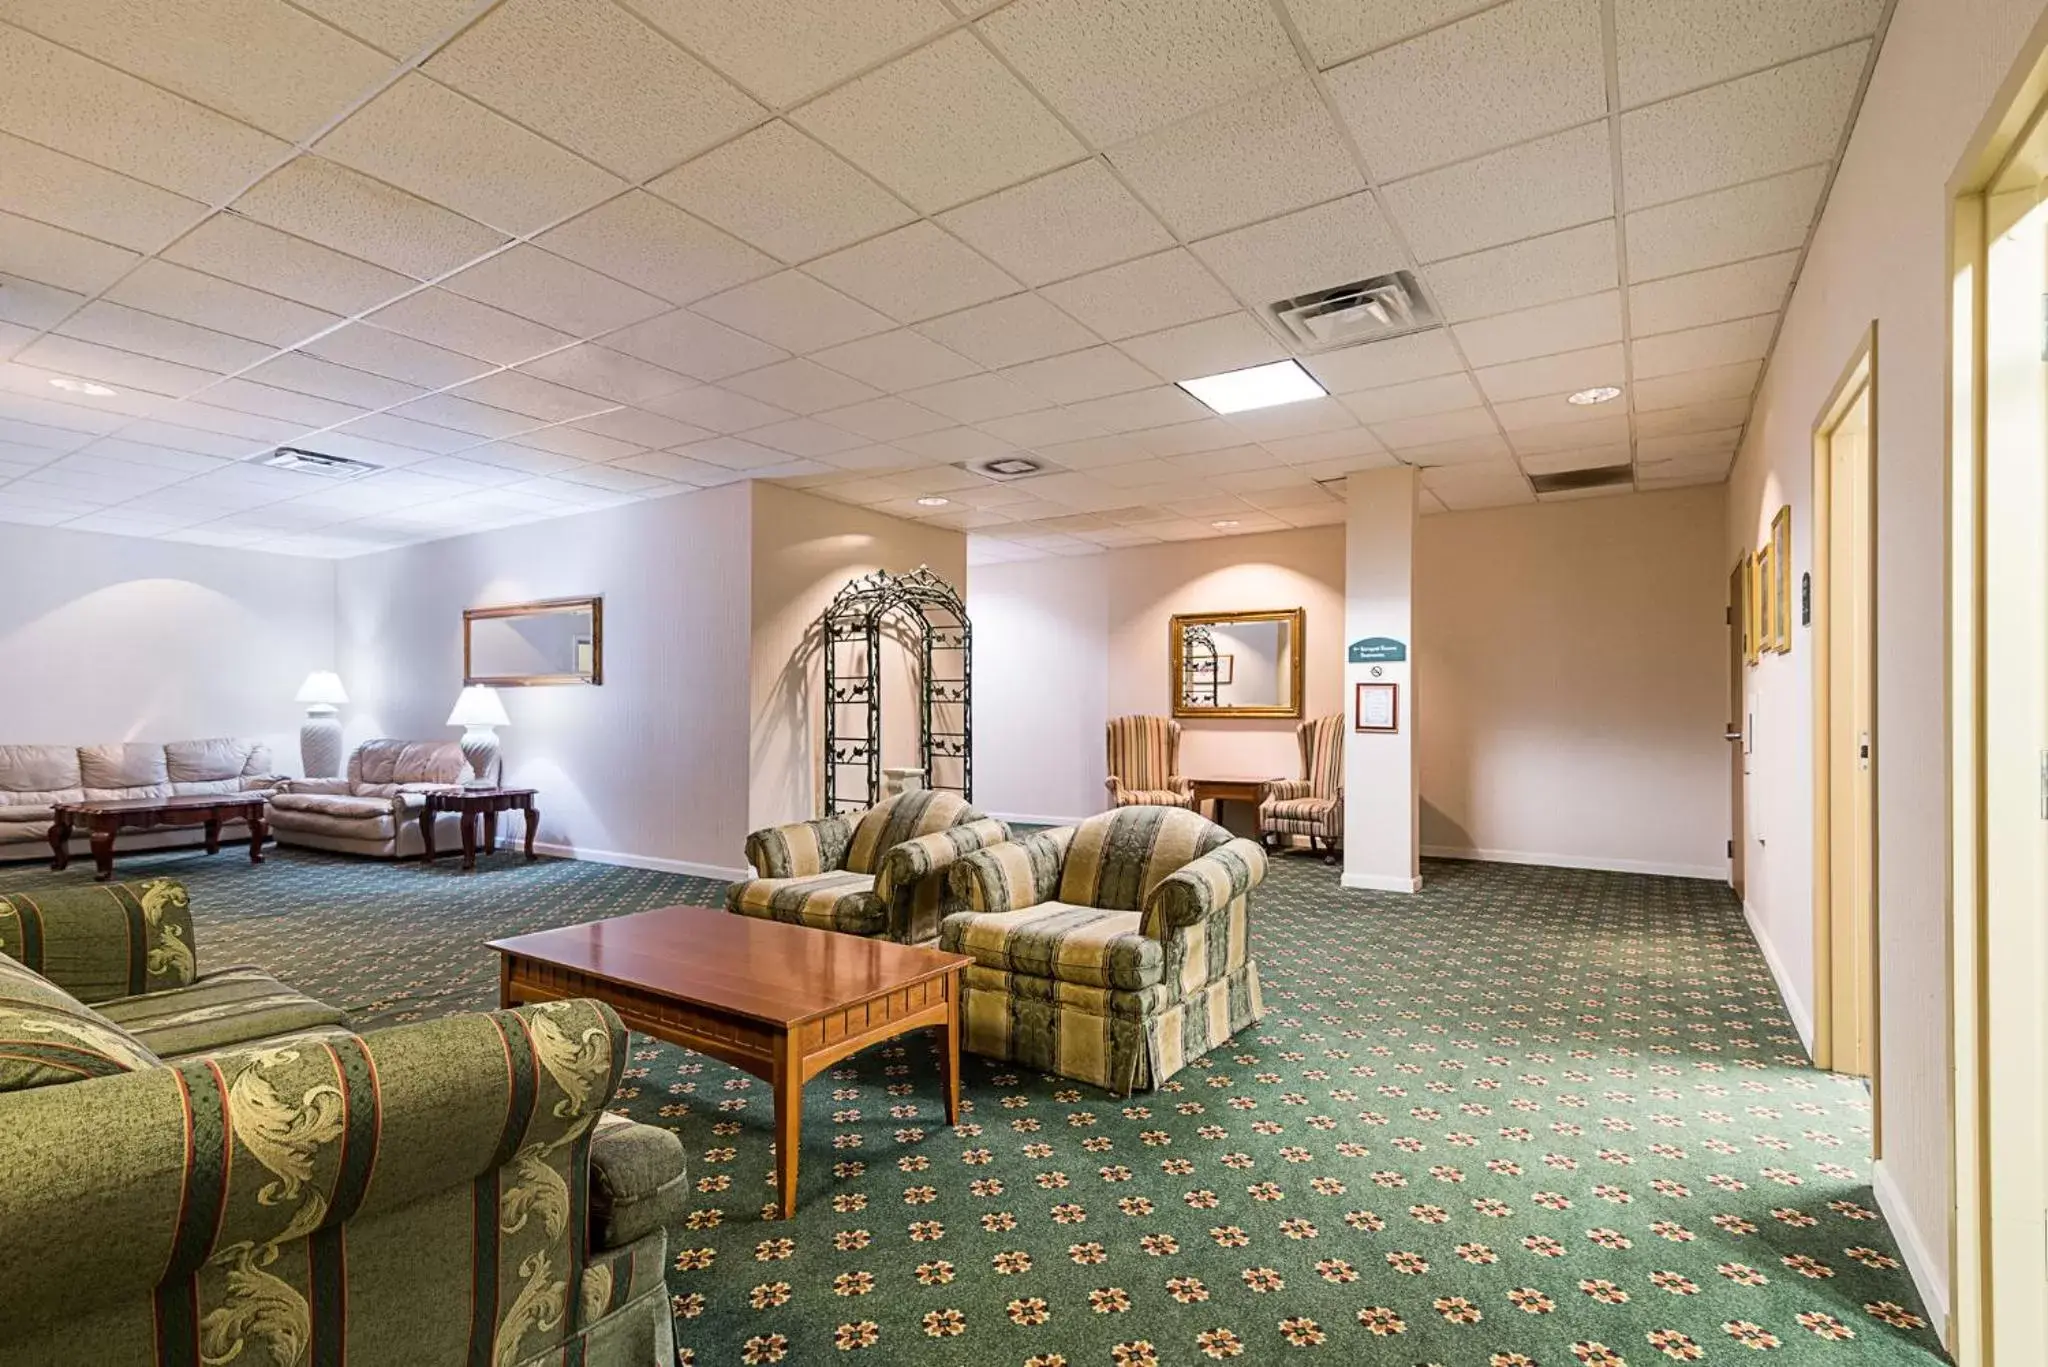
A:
(1382, 774)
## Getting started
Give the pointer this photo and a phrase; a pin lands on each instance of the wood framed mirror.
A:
(522, 645)
(1236, 664)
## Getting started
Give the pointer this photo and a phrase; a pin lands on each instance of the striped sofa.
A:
(879, 873)
(1113, 951)
(1144, 760)
(1311, 806)
(212, 1168)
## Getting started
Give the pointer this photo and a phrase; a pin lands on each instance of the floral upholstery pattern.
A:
(1311, 806)
(1144, 759)
(1112, 952)
(879, 872)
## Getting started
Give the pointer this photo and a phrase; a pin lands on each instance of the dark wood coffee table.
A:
(781, 1002)
(105, 819)
(1229, 788)
(477, 806)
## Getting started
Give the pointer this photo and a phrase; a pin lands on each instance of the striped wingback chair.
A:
(1312, 805)
(1114, 951)
(1144, 757)
(879, 872)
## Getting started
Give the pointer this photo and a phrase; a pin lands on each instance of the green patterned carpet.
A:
(1528, 1118)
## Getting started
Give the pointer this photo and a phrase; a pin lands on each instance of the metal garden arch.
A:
(855, 626)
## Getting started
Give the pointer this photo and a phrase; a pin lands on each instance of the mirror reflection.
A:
(1237, 664)
(560, 641)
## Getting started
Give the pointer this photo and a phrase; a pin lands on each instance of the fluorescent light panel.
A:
(1261, 386)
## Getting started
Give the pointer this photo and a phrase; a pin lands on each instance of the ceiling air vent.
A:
(1568, 481)
(316, 463)
(1362, 311)
(1006, 467)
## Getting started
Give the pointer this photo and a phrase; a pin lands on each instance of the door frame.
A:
(1857, 384)
(1736, 731)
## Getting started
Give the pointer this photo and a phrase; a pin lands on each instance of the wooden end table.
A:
(782, 1002)
(1231, 788)
(477, 806)
(104, 819)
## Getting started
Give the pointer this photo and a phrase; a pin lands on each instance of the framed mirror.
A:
(556, 641)
(1236, 664)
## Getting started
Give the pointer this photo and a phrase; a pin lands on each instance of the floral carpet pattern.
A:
(1527, 1118)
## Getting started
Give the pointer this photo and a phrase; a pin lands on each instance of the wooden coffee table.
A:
(104, 819)
(1230, 788)
(477, 806)
(782, 1002)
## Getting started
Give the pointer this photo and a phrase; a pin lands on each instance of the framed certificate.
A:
(1378, 707)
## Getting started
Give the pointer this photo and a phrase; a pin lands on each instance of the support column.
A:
(1382, 775)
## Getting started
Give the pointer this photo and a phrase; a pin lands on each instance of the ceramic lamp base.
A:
(480, 748)
(320, 743)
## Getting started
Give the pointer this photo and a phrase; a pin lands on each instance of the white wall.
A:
(110, 638)
(1041, 687)
(1879, 254)
(652, 765)
(1574, 658)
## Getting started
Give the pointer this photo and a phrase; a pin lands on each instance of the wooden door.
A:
(1851, 742)
(1737, 730)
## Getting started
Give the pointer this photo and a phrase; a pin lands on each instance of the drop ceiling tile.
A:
(1729, 225)
(886, 419)
(1271, 151)
(32, 436)
(539, 61)
(62, 190)
(1254, 482)
(784, 193)
(1312, 249)
(302, 410)
(1720, 295)
(793, 311)
(465, 415)
(876, 459)
(1136, 411)
(1206, 434)
(951, 444)
(1416, 399)
(1556, 182)
(613, 478)
(697, 347)
(718, 410)
(1319, 448)
(148, 334)
(190, 296)
(236, 248)
(733, 453)
(53, 256)
(1580, 457)
(1664, 47)
(1145, 295)
(682, 469)
(1559, 374)
(310, 375)
(464, 325)
(528, 460)
(1063, 224)
(1542, 270)
(801, 386)
(420, 436)
(1572, 325)
(546, 288)
(1690, 446)
(54, 412)
(1745, 339)
(1466, 488)
(1079, 375)
(64, 100)
(574, 441)
(14, 336)
(606, 373)
(896, 360)
(1229, 461)
(461, 469)
(121, 369)
(427, 139)
(1039, 428)
(1338, 29)
(1397, 360)
(980, 399)
(1774, 121)
(806, 437)
(1118, 68)
(914, 273)
(786, 50)
(1230, 342)
(1526, 420)
(1096, 454)
(1142, 473)
(1300, 419)
(1700, 417)
(249, 432)
(1697, 386)
(349, 212)
(1437, 429)
(535, 398)
(643, 428)
(364, 347)
(1009, 331)
(650, 243)
(33, 305)
(944, 125)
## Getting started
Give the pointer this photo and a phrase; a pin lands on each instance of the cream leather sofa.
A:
(32, 777)
(375, 810)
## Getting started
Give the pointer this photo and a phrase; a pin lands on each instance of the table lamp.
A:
(477, 711)
(320, 732)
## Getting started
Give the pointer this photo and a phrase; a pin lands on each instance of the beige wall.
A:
(804, 550)
(1879, 255)
(1573, 662)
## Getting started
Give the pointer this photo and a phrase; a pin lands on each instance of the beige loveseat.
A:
(375, 810)
(32, 777)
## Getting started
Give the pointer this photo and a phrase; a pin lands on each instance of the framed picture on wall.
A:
(1766, 600)
(1745, 605)
(1781, 565)
(1377, 707)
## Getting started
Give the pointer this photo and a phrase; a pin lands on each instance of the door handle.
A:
(1732, 733)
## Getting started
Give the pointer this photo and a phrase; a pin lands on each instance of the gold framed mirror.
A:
(1236, 664)
(522, 645)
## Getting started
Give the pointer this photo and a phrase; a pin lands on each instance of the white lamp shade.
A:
(322, 686)
(478, 706)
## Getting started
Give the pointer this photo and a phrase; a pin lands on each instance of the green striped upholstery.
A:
(801, 849)
(905, 816)
(218, 1011)
(1144, 759)
(1312, 805)
(1112, 952)
(48, 1037)
(840, 901)
(102, 940)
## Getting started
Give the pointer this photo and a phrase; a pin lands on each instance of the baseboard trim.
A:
(1571, 861)
(640, 861)
(1919, 1261)
(1795, 1004)
(1378, 882)
(1025, 819)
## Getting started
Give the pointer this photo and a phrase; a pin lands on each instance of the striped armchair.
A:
(1312, 805)
(1144, 757)
(1112, 952)
(879, 872)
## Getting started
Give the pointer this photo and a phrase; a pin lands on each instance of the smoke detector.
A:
(1370, 310)
(315, 463)
(1569, 481)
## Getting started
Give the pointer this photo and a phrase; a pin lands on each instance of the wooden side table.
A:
(105, 819)
(1230, 788)
(477, 806)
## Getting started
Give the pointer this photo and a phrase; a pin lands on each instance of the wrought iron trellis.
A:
(855, 625)
(1198, 683)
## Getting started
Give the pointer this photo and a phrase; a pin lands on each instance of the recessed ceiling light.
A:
(1605, 393)
(1261, 386)
(71, 386)
(933, 501)
(1224, 524)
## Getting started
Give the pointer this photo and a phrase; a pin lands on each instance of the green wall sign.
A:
(1378, 650)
